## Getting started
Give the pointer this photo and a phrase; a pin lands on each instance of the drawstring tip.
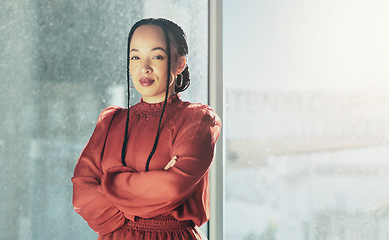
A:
(171, 163)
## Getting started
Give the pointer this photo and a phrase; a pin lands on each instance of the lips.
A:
(145, 82)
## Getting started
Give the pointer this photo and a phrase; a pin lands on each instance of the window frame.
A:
(215, 99)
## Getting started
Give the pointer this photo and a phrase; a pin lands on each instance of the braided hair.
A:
(172, 32)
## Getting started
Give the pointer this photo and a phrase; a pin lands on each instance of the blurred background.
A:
(306, 119)
(61, 63)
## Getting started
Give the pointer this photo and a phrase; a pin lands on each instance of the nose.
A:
(146, 67)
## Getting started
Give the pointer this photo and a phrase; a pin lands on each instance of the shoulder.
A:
(197, 112)
(196, 123)
(103, 123)
(107, 114)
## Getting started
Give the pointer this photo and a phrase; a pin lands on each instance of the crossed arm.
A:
(105, 200)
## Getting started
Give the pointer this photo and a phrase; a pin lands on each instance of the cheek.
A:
(161, 68)
(132, 70)
(131, 66)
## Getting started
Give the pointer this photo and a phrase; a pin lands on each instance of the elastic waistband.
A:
(159, 223)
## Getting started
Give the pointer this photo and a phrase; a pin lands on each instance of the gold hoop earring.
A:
(179, 80)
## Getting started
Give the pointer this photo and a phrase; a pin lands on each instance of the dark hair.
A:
(170, 29)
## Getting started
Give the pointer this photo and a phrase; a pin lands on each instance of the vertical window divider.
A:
(215, 99)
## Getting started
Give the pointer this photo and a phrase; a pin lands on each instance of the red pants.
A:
(160, 227)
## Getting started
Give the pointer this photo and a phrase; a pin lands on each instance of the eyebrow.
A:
(153, 49)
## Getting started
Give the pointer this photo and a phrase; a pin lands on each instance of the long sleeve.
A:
(148, 194)
(100, 213)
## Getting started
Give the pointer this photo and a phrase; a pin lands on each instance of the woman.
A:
(144, 172)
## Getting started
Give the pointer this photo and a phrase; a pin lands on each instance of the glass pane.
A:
(62, 63)
(306, 120)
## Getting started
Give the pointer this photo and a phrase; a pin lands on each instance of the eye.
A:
(158, 57)
(134, 58)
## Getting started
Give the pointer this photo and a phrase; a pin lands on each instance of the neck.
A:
(157, 99)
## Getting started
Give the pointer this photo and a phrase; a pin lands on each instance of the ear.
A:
(181, 63)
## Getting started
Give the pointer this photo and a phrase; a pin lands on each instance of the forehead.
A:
(148, 36)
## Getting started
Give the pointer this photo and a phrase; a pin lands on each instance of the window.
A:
(306, 119)
(63, 62)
